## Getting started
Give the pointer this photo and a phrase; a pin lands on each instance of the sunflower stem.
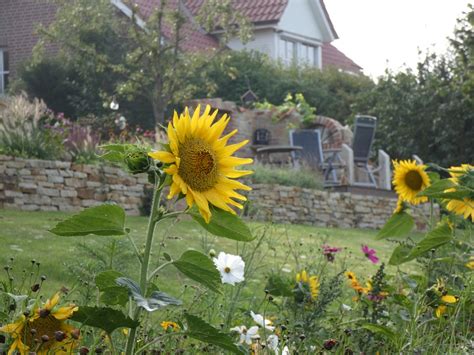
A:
(153, 219)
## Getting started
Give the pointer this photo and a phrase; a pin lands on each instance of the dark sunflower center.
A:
(413, 180)
(198, 166)
(42, 326)
(227, 269)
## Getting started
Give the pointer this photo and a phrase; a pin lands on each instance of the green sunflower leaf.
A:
(200, 330)
(199, 267)
(399, 225)
(434, 239)
(437, 188)
(224, 224)
(399, 255)
(101, 220)
(110, 293)
(380, 329)
(104, 318)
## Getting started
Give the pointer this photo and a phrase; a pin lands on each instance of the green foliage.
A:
(104, 318)
(21, 132)
(224, 224)
(100, 220)
(200, 330)
(199, 267)
(331, 91)
(302, 177)
(399, 225)
(110, 293)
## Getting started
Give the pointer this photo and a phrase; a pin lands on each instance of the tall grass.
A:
(287, 176)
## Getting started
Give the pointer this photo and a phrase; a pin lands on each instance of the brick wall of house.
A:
(18, 23)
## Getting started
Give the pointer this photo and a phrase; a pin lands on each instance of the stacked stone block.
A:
(43, 185)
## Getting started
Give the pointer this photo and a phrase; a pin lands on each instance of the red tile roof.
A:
(256, 11)
(194, 37)
(331, 56)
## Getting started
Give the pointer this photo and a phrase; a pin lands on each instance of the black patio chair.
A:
(364, 133)
(314, 155)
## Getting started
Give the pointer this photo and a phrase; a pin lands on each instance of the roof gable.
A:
(333, 57)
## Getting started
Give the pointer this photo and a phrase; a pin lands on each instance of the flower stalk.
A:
(154, 218)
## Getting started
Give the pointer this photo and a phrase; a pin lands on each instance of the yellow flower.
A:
(465, 207)
(45, 323)
(470, 263)
(355, 285)
(170, 325)
(312, 283)
(409, 179)
(440, 310)
(400, 206)
(201, 163)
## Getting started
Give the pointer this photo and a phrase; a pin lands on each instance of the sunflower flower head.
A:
(201, 163)
(307, 287)
(462, 176)
(47, 323)
(409, 179)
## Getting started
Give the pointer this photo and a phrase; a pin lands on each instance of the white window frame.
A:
(300, 48)
(3, 72)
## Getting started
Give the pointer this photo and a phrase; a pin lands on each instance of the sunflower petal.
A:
(165, 157)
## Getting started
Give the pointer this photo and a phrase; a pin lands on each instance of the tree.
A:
(130, 58)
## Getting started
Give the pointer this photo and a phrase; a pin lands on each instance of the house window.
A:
(288, 51)
(4, 70)
(309, 54)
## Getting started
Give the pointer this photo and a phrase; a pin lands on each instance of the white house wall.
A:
(299, 18)
(264, 41)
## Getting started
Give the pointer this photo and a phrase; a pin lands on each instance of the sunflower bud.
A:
(35, 287)
(138, 161)
(44, 338)
(83, 350)
(43, 313)
(329, 344)
(59, 335)
(212, 253)
(76, 333)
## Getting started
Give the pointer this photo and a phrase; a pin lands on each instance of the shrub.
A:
(21, 131)
(303, 177)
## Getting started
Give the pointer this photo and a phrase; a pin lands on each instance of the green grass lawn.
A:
(24, 236)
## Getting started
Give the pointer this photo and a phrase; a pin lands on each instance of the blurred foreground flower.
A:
(370, 254)
(462, 176)
(46, 325)
(263, 322)
(245, 334)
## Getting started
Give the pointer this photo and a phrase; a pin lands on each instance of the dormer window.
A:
(4, 70)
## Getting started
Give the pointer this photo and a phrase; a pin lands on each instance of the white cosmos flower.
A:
(258, 318)
(231, 268)
(245, 334)
(272, 343)
(285, 351)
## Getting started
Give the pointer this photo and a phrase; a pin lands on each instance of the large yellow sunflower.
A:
(466, 206)
(201, 163)
(45, 331)
(409, 179)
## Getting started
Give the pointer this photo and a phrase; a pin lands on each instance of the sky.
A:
(377, 34)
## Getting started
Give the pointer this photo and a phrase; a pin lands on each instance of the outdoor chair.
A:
(364, 133)
(313, 154)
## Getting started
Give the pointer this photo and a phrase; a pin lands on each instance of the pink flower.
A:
(370, 254)
(329, 252)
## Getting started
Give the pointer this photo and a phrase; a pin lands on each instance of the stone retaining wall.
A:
(285, 204)
(43, 185)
